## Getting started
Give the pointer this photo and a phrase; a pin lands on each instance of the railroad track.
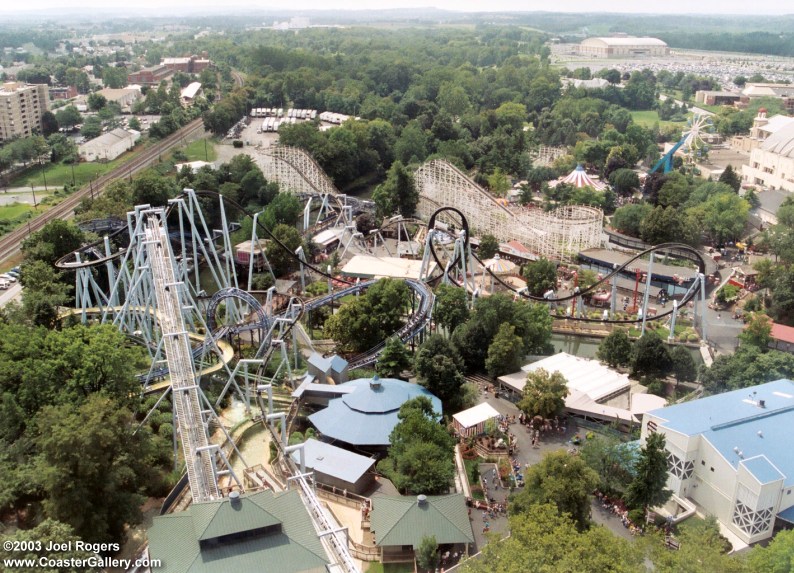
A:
(11, 242)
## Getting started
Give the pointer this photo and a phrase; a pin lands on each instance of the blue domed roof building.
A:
(367, 413)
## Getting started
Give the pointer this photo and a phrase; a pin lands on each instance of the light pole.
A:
(33, 190)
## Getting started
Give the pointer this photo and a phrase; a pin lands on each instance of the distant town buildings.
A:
(125, 97)
(21, 108)
(150, 77)
(188, 65)
(783, 92)
(109, 146)
(190, 93)
(623, 47)
(62, 92)
(711, 97)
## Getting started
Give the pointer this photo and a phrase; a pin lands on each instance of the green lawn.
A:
(14, 215)
(14, 210)
(59, 174)
(649, 117)
(195, 150)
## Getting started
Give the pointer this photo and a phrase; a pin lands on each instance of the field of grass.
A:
(195, 150)
(59, 174)
(649, 117)
(14, 210)
(14, 215)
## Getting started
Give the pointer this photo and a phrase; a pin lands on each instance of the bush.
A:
(237, 143)
(655, 386)
(692, 337)
(637, 516)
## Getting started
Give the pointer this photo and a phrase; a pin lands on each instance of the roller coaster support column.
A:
(614, 299)
(111, 270)
(703, 306)
(215, 450)
(671, 336)
(269, 389)
(299, 448)
(283, 417)
(228, 248)
(646, 293)
(302, 257)
(255, 245)
(424, 270)
(232, 381)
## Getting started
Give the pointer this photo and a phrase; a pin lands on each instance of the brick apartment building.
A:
(21, 108)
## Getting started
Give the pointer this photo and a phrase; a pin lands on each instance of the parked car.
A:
(4, 284)
(8, 278)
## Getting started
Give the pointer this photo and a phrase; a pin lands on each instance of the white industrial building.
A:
(731, 455)
(623, 47)
(125, 97)
(109, 146)
(190, 93)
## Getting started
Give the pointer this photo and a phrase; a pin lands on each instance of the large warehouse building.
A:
(730, 454)
(623, 47)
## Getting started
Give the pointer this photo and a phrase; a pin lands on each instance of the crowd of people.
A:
(618, 508)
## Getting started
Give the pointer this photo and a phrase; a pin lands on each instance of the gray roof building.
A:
(330, 370)
(235, 536)
(336, 467)
(367, 415)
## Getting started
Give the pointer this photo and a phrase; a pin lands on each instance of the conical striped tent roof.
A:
(579, 178)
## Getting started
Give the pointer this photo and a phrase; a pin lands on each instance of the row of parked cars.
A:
(9, 278)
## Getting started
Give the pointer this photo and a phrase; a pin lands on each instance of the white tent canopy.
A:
(589, 377)
(591, 385)
(475, 416)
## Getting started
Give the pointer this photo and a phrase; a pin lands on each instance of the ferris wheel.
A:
(694, 145)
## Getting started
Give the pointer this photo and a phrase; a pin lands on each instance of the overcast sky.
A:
(670, 7)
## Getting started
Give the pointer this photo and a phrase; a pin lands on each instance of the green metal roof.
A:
(294, 549)
(404, 521)
(211, 520)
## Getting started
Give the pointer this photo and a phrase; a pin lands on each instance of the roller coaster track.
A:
(666, 247)
(10, 243)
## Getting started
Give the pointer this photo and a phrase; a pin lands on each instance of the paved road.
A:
(13, 293)
(526, 455)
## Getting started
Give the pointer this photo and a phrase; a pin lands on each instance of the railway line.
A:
(11, 242)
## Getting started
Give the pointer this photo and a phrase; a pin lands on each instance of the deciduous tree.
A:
(92, 467)
(562, 480)
(541, 276)
(489, 246)
(452, 308)
(615, 349)
(505, 352)
(544, 394)
(421, 454)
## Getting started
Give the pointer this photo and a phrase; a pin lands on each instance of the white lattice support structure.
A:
(545, 154)
(558, 235)
(294, 170)
(198, 454)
